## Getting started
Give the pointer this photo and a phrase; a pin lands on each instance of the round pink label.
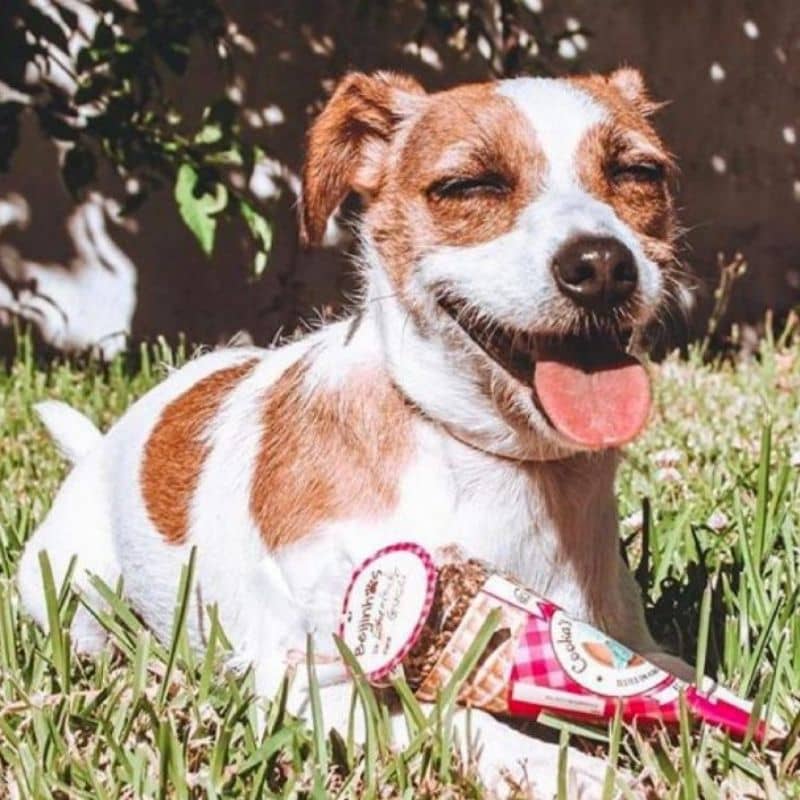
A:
(599, 663)
(385, 607)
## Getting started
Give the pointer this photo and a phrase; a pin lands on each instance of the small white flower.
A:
(794, 458)
(633, 522)
(667, 458)
(717, 521)
(668, 475)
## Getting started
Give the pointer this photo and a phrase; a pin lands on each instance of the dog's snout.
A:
(596, 272)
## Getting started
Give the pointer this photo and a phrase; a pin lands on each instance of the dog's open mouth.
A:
(590, 389)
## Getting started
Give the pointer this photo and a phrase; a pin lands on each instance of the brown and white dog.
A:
(515, 235)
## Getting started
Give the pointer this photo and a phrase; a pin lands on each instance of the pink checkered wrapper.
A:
(545, 661)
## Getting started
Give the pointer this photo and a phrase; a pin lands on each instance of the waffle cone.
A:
(487, 686)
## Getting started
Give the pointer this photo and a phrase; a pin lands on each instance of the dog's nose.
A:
(596, 272)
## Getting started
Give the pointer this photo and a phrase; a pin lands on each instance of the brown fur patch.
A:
(175, 452)
(346, 144)
(625, 138)
(467, 132)
(328, 456)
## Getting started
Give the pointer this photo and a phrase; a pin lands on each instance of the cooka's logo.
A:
(598, 663)
(566, 649)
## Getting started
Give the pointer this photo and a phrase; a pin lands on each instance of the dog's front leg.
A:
(508, 762)
(630, 628)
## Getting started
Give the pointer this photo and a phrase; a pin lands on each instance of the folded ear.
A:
(348, 143)
(628, 81)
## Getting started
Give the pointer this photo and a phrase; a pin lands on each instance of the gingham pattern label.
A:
(552, 654)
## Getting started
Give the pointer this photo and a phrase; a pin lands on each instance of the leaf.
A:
(55, 126)
(196, 210)
(175, 55)
(210, 133)
(261, 231)
(92, 89)
(86, 59)
(43, 27)
(79, 168)
(222, 111)
(103, 36)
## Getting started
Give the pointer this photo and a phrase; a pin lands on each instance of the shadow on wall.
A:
(730, 69)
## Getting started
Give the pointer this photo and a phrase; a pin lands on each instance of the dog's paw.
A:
(536, 776)
(511, 764)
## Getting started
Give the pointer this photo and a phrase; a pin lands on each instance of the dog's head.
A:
(516, 234)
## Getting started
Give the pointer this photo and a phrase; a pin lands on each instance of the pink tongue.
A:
(604, 406)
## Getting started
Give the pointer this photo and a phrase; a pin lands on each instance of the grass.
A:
(711, 527)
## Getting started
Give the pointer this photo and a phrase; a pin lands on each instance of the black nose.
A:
(596, 272)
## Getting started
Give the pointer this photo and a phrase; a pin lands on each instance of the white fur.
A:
(561, 115)
(74, 434)
(552, 526)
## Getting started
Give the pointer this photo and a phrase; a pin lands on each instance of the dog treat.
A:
(405, 610)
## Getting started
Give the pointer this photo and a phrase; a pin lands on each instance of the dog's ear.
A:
(628, 81)
(347, 144)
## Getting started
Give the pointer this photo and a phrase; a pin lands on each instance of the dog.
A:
(515, 239)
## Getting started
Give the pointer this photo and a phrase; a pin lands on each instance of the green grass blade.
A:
(179, 622)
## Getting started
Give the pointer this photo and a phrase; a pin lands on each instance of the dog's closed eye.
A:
(459, 187)
(639, 172)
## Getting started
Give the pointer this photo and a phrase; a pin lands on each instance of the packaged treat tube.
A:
(405, 610)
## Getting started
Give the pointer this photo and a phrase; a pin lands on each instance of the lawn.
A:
(710, 523)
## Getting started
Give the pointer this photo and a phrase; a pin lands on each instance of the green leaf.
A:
(198, 210)
(261, 231)
(211, 133)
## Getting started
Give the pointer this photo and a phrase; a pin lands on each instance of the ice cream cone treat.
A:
(408, 612)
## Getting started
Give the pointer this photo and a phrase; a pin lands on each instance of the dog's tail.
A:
(74, 434)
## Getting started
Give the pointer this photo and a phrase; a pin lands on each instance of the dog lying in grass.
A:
(515, 238)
